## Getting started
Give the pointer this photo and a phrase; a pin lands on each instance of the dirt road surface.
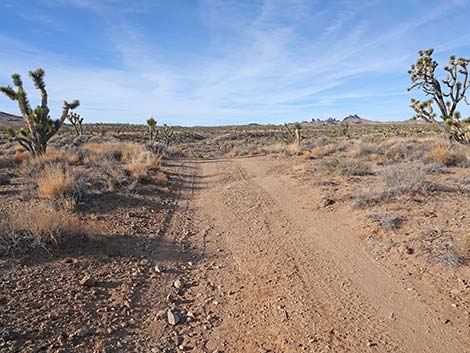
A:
(278, 273)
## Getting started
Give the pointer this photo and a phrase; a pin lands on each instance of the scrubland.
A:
(87, 229)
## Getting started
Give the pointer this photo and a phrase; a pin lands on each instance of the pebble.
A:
(4, 179)
(88, 281)
(178, 284)
(82, 332)
(327, 202)
(173, 317)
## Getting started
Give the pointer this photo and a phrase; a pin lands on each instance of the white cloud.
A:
(260, 64)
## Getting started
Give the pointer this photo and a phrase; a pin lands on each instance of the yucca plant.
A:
(152, 123)
(76, 120)
(39, 125)
(447, 94)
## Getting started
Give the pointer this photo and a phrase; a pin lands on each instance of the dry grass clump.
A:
(322, 151)
(140, 164)
(36, 226)
(398, 149)
(32, 166)
(274, 148)
(404, 178)
(119, 151)
(449, 155)
(291, 149)
(365, 150)
(56, 180)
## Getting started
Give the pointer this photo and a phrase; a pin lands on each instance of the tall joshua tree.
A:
(152, 123)
(446, 94)
(40, 127)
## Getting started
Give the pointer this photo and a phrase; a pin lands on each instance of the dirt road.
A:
(281, 274)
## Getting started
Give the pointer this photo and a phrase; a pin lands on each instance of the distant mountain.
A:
(357, 120)
(10, 120)
(350, 119)
(329, 121)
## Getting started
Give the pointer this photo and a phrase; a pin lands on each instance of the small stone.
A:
(88, 281)
(82, 332)
(178, 284)
(173, 317)
(371, 343)
(158, 269)
(4, 179)
(327, 202)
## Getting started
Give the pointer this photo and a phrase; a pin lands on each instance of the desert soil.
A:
(249, 259)
(280, 273)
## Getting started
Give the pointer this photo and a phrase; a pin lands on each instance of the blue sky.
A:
(212, 62)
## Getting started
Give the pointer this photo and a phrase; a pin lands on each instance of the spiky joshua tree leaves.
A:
(446, 94)
(39, 125)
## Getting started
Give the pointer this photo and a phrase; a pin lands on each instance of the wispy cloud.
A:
(236, 61)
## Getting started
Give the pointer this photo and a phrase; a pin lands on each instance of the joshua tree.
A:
(168, 134)
(294, 134)
(152, 123)
(76, 120)
(446, 94)
(40, 126)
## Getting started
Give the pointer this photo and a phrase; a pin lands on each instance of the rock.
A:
(173, 317)
(158, 269)
(4, 179)
(82, 332)
(178, 284)
(327, 202)
(371, 343)
(88, 281)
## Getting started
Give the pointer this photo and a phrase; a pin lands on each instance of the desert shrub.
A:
(322, 141)
(365, 149)
(140, 164)
(35, 226)
(322, 151)
(292, 149)
(274, 148)
(366, 198)
(404, 149)
(386, 222)
(57, 181)
(351, 167)
(404, 178)
(445, 155)
(108, 175)
(435, 168)
(438, 246)
(172, 151)
(119, 151)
